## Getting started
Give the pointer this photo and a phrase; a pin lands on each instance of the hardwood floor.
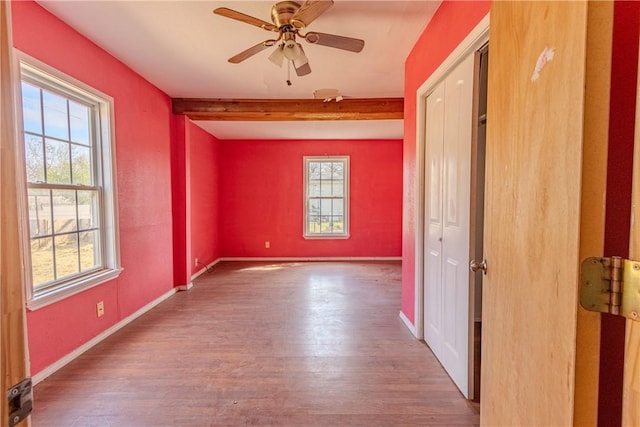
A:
(262, 344)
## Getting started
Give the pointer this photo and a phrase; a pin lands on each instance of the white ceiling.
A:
(182, 48)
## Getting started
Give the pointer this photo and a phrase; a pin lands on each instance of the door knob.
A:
(477, 266)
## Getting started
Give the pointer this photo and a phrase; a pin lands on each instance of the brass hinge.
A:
(611, 285)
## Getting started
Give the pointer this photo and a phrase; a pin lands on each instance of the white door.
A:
(433, 220)
(448, 156)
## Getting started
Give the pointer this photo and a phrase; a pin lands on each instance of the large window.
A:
(72, 241)
(326, 197)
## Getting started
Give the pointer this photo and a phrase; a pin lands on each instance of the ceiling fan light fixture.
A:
(291, 50)
(301, 59)
(277, 56)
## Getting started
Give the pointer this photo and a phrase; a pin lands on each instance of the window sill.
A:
(326, 236)
(52, 296)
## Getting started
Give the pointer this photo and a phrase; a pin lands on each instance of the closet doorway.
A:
(454, 146)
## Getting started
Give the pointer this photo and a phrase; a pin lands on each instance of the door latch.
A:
(20, 402)
(478, 266)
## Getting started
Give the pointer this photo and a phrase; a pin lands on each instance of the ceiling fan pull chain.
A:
(288, 73)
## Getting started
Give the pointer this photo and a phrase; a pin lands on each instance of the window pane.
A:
(314, 189)
(87, 209)
(325, 223)
(89, 250)
(314, 225)
(55, 115)
(58, 167)
(79, 121)
(325, 207)
(338, 170)
(81, 165)
(314, 170)
(31, 111)
(39, 212)
(42, 261)
(325, 188)
(64, 211)
(67, 260)
(338, 224)
(325, 170)
(34, 156)
(337, 188)
(314, 207)
(338, 207)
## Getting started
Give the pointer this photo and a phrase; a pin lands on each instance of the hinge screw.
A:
(634, 314)
(16, 419)
(636, 267)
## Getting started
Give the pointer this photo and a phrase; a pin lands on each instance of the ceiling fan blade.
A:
(309, 11)
(229, 13)
(303, 70)
(251, 51)
(338, 42)
(301, 63)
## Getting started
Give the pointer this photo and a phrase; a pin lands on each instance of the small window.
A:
(326, 197)
(71, 216)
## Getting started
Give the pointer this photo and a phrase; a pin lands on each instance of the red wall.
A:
(446, 30)
(142, 133)
(262, 190)
(180, 200)
(204, 152)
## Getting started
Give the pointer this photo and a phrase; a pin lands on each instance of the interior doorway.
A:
(451, 147)
(447, 230)
(479, 145)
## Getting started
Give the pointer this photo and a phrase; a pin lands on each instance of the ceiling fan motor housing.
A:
(282, 12)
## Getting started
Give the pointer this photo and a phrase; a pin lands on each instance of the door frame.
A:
(13, 349)
(474, 41)
(477, 38)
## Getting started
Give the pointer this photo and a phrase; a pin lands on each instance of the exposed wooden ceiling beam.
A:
(289, 109)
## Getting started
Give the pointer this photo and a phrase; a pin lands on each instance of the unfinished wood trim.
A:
(631, 381)
(289, 109)
(12, 330)
(594, 180)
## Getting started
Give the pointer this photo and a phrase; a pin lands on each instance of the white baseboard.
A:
(185, 287)
(40, 376)
(288, 259)
(408, 324)
(204, 270)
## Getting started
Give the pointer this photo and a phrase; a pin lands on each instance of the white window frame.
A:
(307, 234)
(39, 73)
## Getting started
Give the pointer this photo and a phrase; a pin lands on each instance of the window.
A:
(72, 240)
(326, 197)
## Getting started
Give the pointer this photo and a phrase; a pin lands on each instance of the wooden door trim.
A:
(594, 181)
(474, 41)
(13, 324)
(631, 379)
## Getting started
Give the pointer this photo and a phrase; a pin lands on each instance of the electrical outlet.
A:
(100, 308)
(196, 261)
(267, 244)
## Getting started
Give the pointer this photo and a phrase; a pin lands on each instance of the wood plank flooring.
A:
(262, 344)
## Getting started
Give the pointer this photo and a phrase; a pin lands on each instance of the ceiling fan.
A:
(289, 19)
